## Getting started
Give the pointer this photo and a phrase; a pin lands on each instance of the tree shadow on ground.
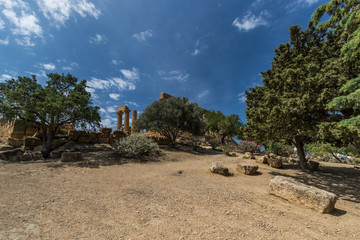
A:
(344, 182)
(192, 150)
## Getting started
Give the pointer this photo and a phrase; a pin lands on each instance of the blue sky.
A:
(130, 51)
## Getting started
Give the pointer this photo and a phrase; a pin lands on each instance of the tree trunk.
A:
(301, 153)
(223, 139)
(47, 140)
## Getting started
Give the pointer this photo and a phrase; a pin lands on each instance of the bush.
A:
(249, 146)
(137, 145)
(274, 147)
(214, 144)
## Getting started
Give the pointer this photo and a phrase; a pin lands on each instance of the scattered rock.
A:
(219, 169)
(106, 132)
(313, 166)
(263, 159)
(37, 155)
(31, 142)
(27, 156)
(309, 196)
(275, 163)
(248, 169)
(15, 142)
(58, 142)
(55, 154)
(71, 157)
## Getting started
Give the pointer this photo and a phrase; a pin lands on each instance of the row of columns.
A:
(126, 110)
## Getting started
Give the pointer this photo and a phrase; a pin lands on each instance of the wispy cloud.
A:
(242, 97)
(203, 94)
(127, 82)
(250, 21)
(4, 77)
(143, 36)
(26, 23)
(114, 96)
(2, 24)
(4, 41)
(195, 52)
(309, 2)
(48, 66)
(98, 39)
(60, 11)
(25, 42)
(131, 103)
(116, 62)
(111, 109)
(175, 75)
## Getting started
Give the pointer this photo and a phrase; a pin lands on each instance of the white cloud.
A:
(114, 96)
(130, 74)
(4, 77)
(48, 66)
(111, 109)
(309, 2)
(143, 36)
(101, 110)
(26, 24)
(250, 21)
(203, 94)
(195, 52)
(98, 39)
(4, 41)
(67, 68)
(2, 24)
(175, 75)
(41, 74)
(60, 11)
(108, 121)
(242, 97)
(116, 62)
(25, 41)
(131, 103)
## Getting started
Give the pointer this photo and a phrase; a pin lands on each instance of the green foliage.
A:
(214, 143)
(170, 116)
(137, 145)
(222, 125)
(62, 99)
(324, 149)
(227, 149)
(274, 147)
(248, 146)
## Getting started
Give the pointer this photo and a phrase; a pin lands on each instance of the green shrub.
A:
(214, 144)
(137, 145)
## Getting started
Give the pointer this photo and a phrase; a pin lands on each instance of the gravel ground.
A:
(173, 197)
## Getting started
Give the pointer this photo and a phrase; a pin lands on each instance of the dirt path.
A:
(153, 200)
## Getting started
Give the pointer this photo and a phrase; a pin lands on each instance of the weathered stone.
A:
(248, 154)
(58, 142)
(292, 161)
(15, 142)
(14, 155)
(270, 155)
(30, 131)
(106, 131)
(4, 147)
(262, 159)
(93, 136)
(248, 169)
(275, 163)
(312, 165)
(319, 159)
(27, 156)
(309, 196)
(218, 168)
(37, 155)
(73, 135)
(103, 140)
(84, 139)
(71, 157)
(31, 141)
(55, 154)
(118, 134)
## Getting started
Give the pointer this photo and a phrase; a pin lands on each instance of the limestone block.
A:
(30, 131)
(73, 135)
(37, 155)
(106, 131)
(31, 141)
(71, 157)
(248, 169)
(93, 136)
(55, 154)
(275, 163)
(118, 134)
(4, 147)
(85, 139)
(103, 140)
(58, 142)
(27, 156)
(15, 142)
(14, 155)
(309, 196)
(219, 169)
(263, 159)
(312, 165)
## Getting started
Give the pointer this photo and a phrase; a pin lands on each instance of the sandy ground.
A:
(153, 200)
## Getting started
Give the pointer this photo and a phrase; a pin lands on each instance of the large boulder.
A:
(106, 131)
(309, 196)
(248, 169)
(219, 169)
(71, 157)
(31, 142)
(313, 165)
(58, 142)
(37, 155)
(262, 159)
(274, 162)
(4, 147)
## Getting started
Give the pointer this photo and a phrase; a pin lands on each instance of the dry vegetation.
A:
(172, 197)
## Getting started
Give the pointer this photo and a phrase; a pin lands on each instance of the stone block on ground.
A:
(31, 142)
(58, 142)
(14, 155)
(55, 154)
(71, 157)
(27, 156)
(275, 163)
(106, 131)
(309, 196)
(37, 155)
(248, 169)
(15, 142)
(84, 139)
(312, 165)
(73, 135)
(118, 134)
(262, 159)
(219, 169)
(103, 140)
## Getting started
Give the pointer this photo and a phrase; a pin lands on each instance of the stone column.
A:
(134, 117)
(127, 121)
(119, 120)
